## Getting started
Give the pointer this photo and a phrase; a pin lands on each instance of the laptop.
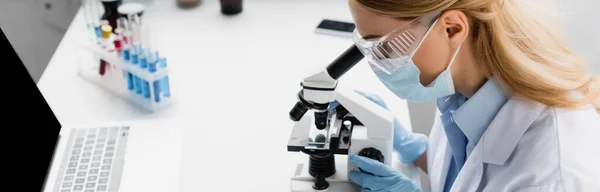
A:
(46, 156)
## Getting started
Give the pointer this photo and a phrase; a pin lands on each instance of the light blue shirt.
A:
(465, 121)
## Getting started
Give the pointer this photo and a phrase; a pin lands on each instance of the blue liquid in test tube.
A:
(165, 86)
(134, 55)
(146, 88)
(165, 81)
(157, 90)
(143, 60)
(152, 65)
(163, 62)
(128, 75)
(139, 89)
(134, 80)
(130, 83)
(138, 84)
(126, 54)
(152, 62)
(98, 32)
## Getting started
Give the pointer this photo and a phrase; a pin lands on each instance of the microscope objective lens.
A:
(321, 119)
(298, 111)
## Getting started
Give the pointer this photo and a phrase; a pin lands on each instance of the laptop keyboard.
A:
(94, 160)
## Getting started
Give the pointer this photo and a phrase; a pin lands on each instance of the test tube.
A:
(135, 83)
(144, 39)
(105, 43)
(144, 65)
(142, 58)
(157, 90)
(94, 7)
(119, 43)
(146, 89)
(130, 81)
(134, 54)
(134, 38)
(163, 62)
(138, 85)
(102, 23)
(124, 51)
(135, 22)
(165, 81)
(125, 38)
(165, 86)
(88, 17)
(152, 61)
(130, 28)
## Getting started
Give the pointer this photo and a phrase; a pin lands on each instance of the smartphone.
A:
(336, 28)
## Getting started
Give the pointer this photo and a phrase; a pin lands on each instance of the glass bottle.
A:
(188, 4)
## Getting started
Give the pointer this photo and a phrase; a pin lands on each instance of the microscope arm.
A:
(378, 120)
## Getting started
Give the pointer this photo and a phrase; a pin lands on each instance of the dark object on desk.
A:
(336, 28)
(188, 4)
(110, 12)
(231, 7)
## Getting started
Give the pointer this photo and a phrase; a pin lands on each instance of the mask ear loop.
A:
(449, 76)
(453, 57)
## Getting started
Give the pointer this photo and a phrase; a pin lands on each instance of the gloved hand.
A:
(409, 145)
(382, 178)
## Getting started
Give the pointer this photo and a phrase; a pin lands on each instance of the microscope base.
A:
(302, 181)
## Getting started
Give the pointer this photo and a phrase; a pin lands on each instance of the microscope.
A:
(344, 123)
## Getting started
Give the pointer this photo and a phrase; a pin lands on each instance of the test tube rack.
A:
(142, 85)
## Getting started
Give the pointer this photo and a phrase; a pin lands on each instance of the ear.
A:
(456, 25)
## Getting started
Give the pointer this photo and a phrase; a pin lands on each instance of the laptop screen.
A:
(28, 121)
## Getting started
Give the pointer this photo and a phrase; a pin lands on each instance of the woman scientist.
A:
(518, 110)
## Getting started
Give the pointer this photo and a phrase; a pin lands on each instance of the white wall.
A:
(582, 25)
(34, 30)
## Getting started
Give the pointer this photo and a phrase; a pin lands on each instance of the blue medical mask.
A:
(406, 84)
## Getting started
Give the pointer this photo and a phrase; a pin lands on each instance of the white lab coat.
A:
(527, 147)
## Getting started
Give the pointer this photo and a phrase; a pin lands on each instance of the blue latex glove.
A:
(382, 178)
(409, 145)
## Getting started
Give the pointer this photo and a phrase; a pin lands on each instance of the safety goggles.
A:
(402, 42)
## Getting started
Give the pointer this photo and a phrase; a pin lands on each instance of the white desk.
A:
(235, 77)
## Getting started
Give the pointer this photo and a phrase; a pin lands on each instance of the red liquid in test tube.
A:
(117, 43)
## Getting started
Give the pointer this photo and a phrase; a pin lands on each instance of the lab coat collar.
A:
(507, 128)
(475, 115)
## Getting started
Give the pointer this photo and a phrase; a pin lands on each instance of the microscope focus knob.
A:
(372, 153)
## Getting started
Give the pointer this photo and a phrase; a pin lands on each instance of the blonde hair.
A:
(512, 44)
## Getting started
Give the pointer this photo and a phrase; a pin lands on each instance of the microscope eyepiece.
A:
(345, 62)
